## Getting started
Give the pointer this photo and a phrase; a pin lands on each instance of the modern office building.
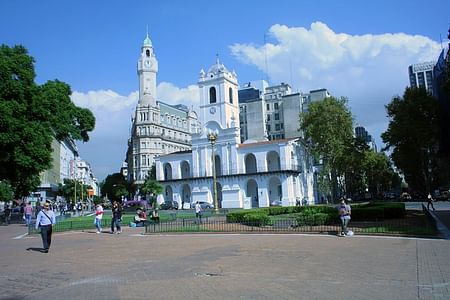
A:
(273, 112)
(361, 133)
(421, 75)
(157, 128)
(66, 164)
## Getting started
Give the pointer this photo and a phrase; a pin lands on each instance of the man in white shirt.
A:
(45, 220)
(198, 212)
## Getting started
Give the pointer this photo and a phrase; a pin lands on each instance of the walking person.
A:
(198, 212)
(45, 221)
(430, 202)
(7, 213)
(344, 214)
(98, 217)
(116, 217)
(28, 213)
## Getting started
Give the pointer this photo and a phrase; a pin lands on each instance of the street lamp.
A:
(212, 138)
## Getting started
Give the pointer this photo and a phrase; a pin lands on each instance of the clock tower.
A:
(147, 68)
(219, 96)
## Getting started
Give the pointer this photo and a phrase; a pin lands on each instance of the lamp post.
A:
(212, 138)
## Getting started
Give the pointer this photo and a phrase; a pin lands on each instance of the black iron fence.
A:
(395, 227)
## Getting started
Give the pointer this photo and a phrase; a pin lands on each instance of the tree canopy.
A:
(349, 167)
(31, 115)
(114, 186)
(412, 135)
(328, 130)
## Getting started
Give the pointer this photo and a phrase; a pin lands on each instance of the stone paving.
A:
(85, 265)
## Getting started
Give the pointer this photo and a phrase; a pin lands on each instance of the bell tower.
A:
(147, 68)
(219, 96)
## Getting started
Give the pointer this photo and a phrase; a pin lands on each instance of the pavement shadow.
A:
(36, 249)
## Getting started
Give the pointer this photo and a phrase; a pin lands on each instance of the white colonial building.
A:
(249, 174)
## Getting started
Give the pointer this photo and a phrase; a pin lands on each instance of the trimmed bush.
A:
(313, 219)
(256, 219)
(367, 213)
(378, 211)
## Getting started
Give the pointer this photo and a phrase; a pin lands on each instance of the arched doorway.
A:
(252, 192)
(167, 171)
(250, 164)
(185, 196)
(185, 170)
(168, 194)
(275, 190)
(273, 161)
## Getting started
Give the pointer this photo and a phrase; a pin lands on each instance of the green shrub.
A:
(313, 219)
(236, 217)
(256, 219)
(378, 211)
(367, 213)
(279, 210)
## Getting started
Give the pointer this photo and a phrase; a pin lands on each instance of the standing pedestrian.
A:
(98, 217)
(116, 217)
(198, 212)
(45, 221)
(344, 214)
(430, 202)
(7, 213)
(28, 212)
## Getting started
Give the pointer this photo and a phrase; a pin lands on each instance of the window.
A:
(281, 125)
(275, 106)
(277, 126)
(268, 106)
(230, 91)
(277, 116)
(212, 95)
(147, 53)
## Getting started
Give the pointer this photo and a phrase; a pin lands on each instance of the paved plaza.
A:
(85, 265)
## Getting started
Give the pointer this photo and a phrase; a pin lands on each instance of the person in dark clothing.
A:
(116, 217)
(7, 213)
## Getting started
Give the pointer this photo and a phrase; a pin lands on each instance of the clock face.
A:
(212, 110)
(148, 63)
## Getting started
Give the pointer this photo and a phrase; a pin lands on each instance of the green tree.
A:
(6, 193)
(152, 188)
(114, 186)
(73, 188)
(30, 116)
(380, 175)
(412, 135)
(328, 130)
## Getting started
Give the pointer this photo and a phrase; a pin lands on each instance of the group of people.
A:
(116, 220)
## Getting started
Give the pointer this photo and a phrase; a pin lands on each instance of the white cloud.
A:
(113, 112)
(171, 94)
(368, 69)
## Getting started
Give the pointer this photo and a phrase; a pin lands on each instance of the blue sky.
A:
(356, 49)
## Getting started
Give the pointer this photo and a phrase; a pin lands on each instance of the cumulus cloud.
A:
(171, 94)
(368, 69)
(113, 112)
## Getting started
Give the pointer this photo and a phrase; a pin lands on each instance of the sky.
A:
(360, 50)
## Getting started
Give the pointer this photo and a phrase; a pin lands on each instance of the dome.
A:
(218, 68)
(148, 42)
